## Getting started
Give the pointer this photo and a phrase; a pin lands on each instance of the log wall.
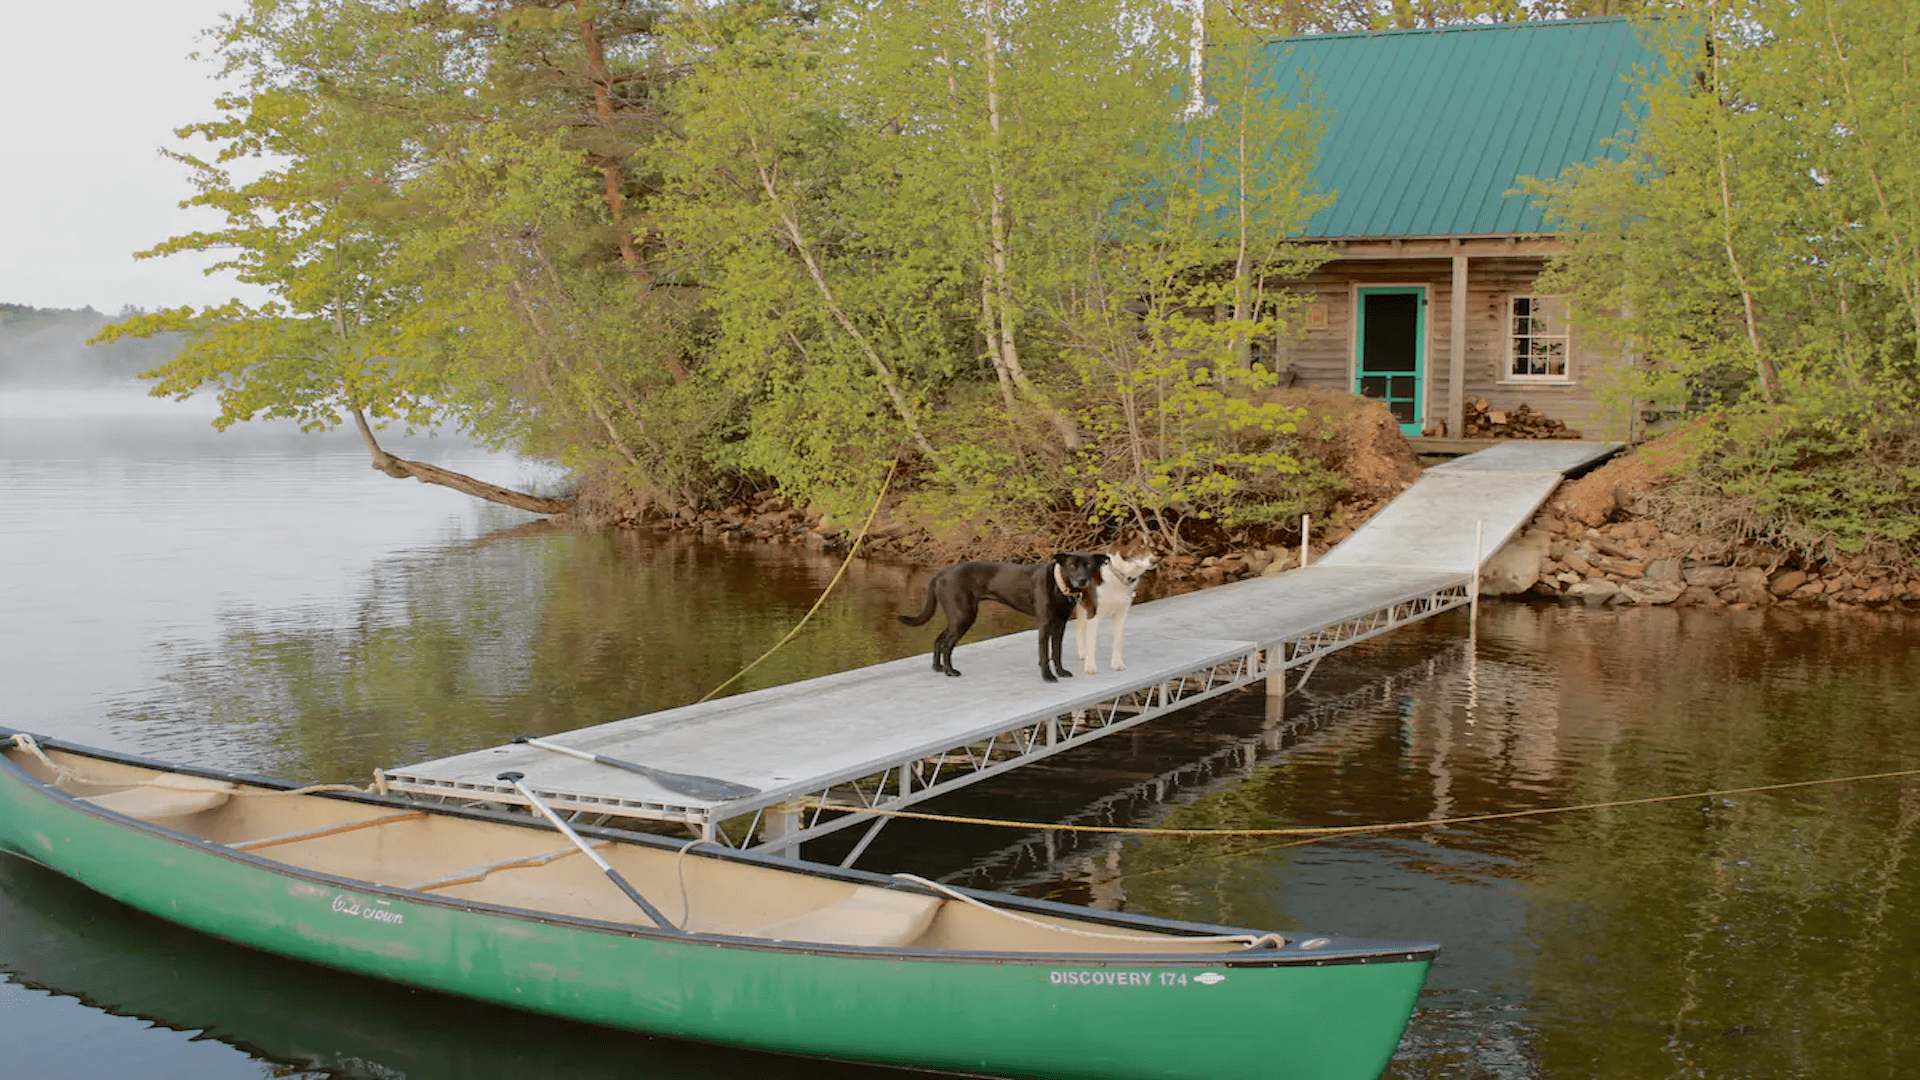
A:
(1322, 355)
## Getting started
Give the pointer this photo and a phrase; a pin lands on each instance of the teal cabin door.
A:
(1391, 351)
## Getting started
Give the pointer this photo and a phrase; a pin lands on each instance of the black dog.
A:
(1045, 590)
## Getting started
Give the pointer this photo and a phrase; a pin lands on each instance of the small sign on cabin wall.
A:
(1317, 316)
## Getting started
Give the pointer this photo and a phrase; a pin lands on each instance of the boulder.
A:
(1666, 568)
(1619, 567)
(1650, 591)
(1594, 591)
(1699, 596)
(1516, 566)
(1708, 577)
(1787, 583)
(1281, 563)
(1750, 586)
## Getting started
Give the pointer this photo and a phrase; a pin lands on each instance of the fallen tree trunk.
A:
(401, 469)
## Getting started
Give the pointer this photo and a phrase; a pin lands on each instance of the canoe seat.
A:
(165, 796)
(880, 918)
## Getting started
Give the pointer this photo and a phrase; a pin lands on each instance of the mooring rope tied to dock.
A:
(1342, 830)
(852, 550)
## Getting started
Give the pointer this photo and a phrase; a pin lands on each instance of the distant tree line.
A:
(49, 346)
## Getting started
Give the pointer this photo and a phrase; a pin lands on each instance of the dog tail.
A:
(925, 612)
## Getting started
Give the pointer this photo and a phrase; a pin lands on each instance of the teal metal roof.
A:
(1428, 130)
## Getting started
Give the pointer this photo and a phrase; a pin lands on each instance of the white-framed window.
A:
(1537, 339)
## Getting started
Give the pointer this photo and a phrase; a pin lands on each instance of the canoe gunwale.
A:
(1362, 951)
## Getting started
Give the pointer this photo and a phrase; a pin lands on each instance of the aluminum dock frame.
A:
(817, 753)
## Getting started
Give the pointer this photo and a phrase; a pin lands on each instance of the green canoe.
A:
(749, 951)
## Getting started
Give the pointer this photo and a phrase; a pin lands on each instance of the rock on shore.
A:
(1591, 543)
(1636, 562)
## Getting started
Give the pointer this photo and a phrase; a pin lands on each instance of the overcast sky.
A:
(91, 92)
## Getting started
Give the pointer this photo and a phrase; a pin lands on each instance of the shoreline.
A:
(1587, 544)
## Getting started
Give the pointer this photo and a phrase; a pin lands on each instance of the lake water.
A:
(263, 600)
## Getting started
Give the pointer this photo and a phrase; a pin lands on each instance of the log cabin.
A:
(1429, 302)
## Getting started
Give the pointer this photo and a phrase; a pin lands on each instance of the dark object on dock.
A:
(700, 787)
(1047, 591)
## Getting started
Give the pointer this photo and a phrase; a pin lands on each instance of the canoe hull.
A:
(1058, 1017)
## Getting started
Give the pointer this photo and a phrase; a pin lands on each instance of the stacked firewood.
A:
(1521, 422)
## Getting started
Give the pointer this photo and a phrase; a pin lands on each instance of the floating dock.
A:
(815, 754)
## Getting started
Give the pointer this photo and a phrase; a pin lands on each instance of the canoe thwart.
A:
(485, 871)
(167, 795)
(879, 918)
(328, 830)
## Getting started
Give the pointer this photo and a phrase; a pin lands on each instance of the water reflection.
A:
(1754, 935)
(129, 521)
(1086, 867)
(450, 650)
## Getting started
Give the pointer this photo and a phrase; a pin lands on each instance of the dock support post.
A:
(1457, 351)
(1473, 602)
(779, 821)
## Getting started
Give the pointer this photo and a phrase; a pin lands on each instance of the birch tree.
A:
(1187, 427)
(900, 193)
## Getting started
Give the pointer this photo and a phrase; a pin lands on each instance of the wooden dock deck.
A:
(819, 751)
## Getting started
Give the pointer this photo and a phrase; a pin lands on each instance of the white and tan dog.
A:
(1111, 596)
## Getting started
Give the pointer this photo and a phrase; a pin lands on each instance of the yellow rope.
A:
(1340, 830)
(308, 790)
(852, 549)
